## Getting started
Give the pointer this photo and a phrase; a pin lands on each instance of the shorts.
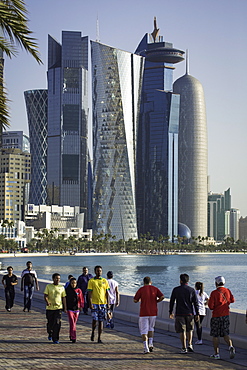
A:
(146, 324)
(219, 326)
(184, 323)
(98, 312)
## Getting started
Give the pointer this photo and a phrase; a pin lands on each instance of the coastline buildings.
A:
(192, 155)
(157, 144)
(116, 88)
(67, 127)
(36, 106)
(219, 206)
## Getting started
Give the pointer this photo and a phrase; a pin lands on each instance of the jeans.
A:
(28, 295)
(9, 296)
(53, 323)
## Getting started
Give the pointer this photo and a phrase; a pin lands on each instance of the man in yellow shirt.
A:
(54, 296)
(98, 300)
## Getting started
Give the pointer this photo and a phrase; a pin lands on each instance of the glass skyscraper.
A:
(157, 145)
(36, 105)
(116, 88)
(67, 154)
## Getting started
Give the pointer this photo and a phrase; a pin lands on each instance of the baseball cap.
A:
(220, 279)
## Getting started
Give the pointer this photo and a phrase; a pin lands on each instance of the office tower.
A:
(116, 87)
(14, 177)
(243, 229)
(67, 152)
(157, 144)
(219, 206)
(234, 223)
(192, 155)
(36, 105)
(16, 139)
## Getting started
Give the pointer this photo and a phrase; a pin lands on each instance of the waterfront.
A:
(164, 270)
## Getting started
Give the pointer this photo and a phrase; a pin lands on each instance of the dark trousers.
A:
(9, 296)
(28, 295)
(199, 327)
(53, 323)
(86, 305)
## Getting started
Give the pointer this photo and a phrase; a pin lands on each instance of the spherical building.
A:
(192, 155)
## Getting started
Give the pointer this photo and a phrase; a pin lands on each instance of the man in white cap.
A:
(219, 301)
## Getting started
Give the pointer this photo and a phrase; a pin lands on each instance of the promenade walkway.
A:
(24, 345)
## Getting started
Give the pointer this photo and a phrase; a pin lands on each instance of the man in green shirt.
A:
(54, 296)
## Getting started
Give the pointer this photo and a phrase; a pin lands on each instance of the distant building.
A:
(36, 105)
(67, 152)
(16, 139)
(243, 228)
(116, 88)
(234, 223)
(192, 155)
(16, 232)
(219, 209)
(15, 168)
(157, 139)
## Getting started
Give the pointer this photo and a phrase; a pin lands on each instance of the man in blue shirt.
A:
(82, 283)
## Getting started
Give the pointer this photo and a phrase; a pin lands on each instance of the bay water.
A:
(164, 270)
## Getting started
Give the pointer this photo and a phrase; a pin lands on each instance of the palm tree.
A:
(13, 31)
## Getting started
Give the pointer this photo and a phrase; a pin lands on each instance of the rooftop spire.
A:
(97, 29)
(187, 62)
(156, 30)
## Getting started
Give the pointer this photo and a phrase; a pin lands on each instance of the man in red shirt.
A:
(219, 301)
(149, 296)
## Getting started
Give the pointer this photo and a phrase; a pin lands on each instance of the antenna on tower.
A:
(187, 62)
(97, 29)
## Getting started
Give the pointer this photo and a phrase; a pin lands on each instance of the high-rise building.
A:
(36, 105)
(192, 155)
(234, 223)
(157, 143)
(67, 152)
(14, 177)
(243, 228)
(219, 206)
(16, 139)
(116, 88)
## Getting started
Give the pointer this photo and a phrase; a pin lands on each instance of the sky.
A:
(214, 32)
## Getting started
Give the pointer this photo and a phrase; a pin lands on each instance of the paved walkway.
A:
(24, 345)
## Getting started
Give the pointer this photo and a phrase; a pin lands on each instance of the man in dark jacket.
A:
(82, 283)
(186, 299)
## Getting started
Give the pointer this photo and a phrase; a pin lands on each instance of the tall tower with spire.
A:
(192, 154)
(157, 139)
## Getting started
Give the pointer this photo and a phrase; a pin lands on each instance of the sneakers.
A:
(232, 352)
(49, 337)
(198, 342)
(146, 350)
(108, 325)
(111, 323)
(8, 309)
(184, 350)
(56, 342)
(151, 349)
(190, 348)
(215, 356)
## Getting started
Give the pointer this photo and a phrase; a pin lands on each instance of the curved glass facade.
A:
(36, 105)
(193, 155)
(117, 77)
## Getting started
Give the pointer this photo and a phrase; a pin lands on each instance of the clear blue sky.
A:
(214, 31)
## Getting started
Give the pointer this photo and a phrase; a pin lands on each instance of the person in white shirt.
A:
(202, 301)
(114, 298)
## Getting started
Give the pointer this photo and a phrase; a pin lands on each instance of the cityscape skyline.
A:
(210, 62)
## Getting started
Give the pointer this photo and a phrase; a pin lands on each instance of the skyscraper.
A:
(219, 206)
(116, 88)
(36, 104)
(193, 155)
(67, 153)
(157, 145)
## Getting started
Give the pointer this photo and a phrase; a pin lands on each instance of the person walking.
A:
(82, 283)
(9, 281)
(149, 296)
(114, 297)
(55, 298)
(219, 302)
(98, 298)
(202, 298)
(186, 303)
(75, 303)
(28, 280)
(68, 282)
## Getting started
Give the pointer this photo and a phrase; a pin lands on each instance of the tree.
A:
(15, 31)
